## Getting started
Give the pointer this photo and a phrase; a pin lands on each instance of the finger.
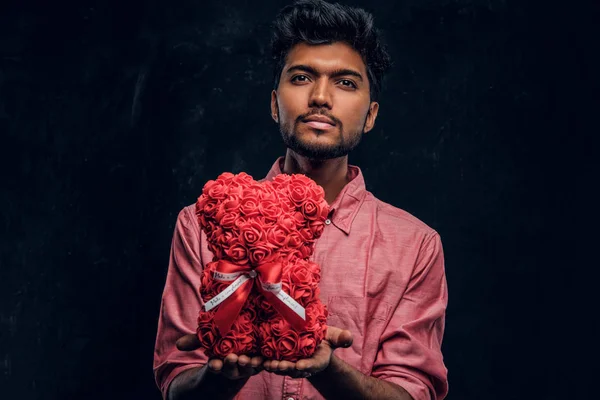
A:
(243, 360)
(188, 343)
(267, 365)
(273, 366)
(230, 368)
(215, 366)
(317, 362)
(338, 337)
(257, 362)
(244, 366)
(286, 367)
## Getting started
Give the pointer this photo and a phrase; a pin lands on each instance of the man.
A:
(383, 276)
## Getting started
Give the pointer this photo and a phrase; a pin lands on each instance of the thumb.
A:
(188, 343)
(338, 337)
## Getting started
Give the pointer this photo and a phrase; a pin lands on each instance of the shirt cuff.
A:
(164, 389)
(414, 386)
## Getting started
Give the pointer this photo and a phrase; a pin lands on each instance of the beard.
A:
(320, 151)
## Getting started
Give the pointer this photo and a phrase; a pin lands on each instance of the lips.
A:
(319, 125)
(319, 122)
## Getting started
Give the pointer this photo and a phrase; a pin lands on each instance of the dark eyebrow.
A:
(334, 73)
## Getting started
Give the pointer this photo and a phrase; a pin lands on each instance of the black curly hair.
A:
(318, 22)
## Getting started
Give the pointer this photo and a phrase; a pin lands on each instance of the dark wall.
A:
(114, 114)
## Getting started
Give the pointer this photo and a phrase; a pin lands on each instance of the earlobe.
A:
(274, 107)
(371, 116)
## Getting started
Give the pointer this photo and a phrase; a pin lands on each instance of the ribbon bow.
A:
(232, 299)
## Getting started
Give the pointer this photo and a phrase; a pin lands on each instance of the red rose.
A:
(316, 192)
(307, 344)
(210, 209)
(299, 219)
(210, 225)
(206, 332)
(202, 221)
(251, 232)
(213, 235)
(286, 205)
(201, 202)
(310, 210)
(243, 323)
(315, 270)
(306, 234)
(317, 228)
(294, 240)
(281, 182)
(287, 345)
(235, 190)
(261, 253)
(224, 346)
(297, 193)
(267, 340)
(299, 274)
(303, 294)
(290, 255)
(286, 222)
(269, 349)
(277, 236)
(229, 205)
(306, 250)
(250, 309)
(324, 210)
(264, 331)
(316, 313)
(225, 178)
(270, 208)
(237, 252)
(206, 275)
(243, 179)
(216, 250)
(249, 206)
(217, 191)
(279, 326)
(226, 239)
(301, 179)
(228, 220)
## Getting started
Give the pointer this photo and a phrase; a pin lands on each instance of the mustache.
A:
(319, 112)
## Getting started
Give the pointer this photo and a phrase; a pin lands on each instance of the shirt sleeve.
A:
(410, 347)
(180, 304)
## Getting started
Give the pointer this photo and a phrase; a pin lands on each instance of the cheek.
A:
(291, 104)
(356, 114)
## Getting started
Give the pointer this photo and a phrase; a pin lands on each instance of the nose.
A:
(320, 96)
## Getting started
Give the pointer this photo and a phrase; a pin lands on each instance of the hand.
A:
(232, 367)
(320, 360)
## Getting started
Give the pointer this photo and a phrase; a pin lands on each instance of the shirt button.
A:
(327, 222)
(290, 398)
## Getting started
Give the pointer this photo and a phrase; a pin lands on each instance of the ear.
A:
(371, 116)
(274, 106)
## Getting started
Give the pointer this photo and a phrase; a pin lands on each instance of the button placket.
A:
(291, 388)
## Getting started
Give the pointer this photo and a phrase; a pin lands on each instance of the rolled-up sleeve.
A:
(410, 347)
(180, 303)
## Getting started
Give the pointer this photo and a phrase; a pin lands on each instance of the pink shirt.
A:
(382, 278)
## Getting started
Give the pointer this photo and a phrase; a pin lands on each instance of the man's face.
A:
(327, 82)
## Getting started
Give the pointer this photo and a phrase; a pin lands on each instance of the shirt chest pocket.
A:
(366, 318)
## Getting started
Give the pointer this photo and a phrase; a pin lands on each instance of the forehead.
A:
(325, 57)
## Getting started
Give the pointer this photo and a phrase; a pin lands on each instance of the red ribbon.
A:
(269, 273)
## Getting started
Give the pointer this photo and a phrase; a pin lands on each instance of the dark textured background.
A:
(114, 114)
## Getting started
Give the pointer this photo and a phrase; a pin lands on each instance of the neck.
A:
(331, 175)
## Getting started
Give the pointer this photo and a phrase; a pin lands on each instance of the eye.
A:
(305, 78)
(348, 83)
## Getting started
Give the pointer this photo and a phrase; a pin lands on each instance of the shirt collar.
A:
(344, 208)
